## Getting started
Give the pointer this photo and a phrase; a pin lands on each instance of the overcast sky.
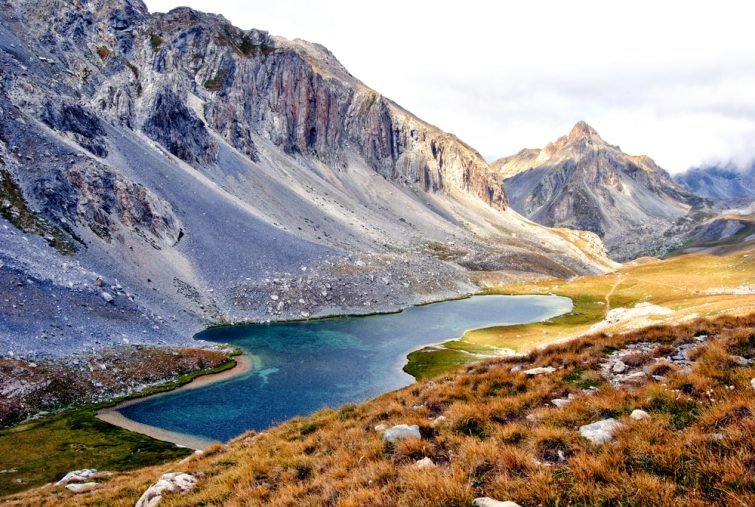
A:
(673, 80)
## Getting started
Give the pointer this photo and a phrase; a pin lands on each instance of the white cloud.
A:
(674, 80)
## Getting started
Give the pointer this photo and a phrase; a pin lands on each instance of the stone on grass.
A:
(752, 383)
(485, 501)
(619, 367)
(424, 463)
(175, 482)
(600, 432)
(639, 415)
(401, 432)
(561, 402)
(381, 427)
(76, 476)
(82, 487)
(532, 372)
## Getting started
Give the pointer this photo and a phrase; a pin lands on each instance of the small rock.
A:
(619, 367)
(517, 368)
(485, 501)
(424, 463)
(381, 427)
(639, 415)
(107, 297)
(439, 420)
(401, 432)
(715, 436)
(532, 372)
(560, 402)
(752, 383)
(742, 361)
(600, 432)
(82, 488)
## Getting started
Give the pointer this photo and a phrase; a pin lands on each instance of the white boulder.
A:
(82, 487)
(600, 432)
(381, 427)
(424, 463)
(401, 432)
(485, 501)
(561, 402)
(639, 415)
(175, 482)
(76, 476)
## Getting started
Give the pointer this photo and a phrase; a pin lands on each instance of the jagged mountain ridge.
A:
(198, 171)
(582, 182)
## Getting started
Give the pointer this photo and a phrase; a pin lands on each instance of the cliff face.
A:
(195, 169)
(582, 182)
(726, 185)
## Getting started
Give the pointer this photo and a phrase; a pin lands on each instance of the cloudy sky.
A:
(673, 80)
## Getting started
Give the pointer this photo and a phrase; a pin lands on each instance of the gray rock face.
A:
(206, 168)
(582, 182)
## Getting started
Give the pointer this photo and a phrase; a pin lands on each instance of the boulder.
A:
(424, 463)
(639, 415)
(401, 432)
(619, 367)
(175, 482)
(752, 383)
(485, 501)
(107, 297)
(76, 476)
(533, 372)
(561, 402)
(381, 427)
(81, 488)
(600, 432)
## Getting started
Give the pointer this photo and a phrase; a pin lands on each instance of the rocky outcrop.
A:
(582, 182)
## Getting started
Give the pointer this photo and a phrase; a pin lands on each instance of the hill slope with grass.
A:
(676, 402)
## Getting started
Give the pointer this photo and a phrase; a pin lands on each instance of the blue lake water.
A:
(300, 367)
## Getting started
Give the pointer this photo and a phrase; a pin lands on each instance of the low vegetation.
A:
(688, 287)
(492, 430)
(43, 450)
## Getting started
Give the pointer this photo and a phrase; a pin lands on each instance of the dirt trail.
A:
(607, 298)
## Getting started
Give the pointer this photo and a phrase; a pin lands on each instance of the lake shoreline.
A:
(112, 415)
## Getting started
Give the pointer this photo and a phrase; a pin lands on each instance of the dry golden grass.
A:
(681, 284)
(501, 438)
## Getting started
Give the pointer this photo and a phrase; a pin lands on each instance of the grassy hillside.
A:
(686, 287)
(501, 436)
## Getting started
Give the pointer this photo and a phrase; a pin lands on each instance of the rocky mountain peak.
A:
(582, 131)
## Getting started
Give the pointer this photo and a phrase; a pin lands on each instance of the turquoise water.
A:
(300, 367)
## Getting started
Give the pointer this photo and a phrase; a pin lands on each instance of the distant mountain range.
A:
(727, 185)
(582, 182)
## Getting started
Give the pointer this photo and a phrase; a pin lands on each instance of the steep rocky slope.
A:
(726, 185)
(582, 182)
(164, 171)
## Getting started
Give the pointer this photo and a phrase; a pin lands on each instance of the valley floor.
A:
(640, 293)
